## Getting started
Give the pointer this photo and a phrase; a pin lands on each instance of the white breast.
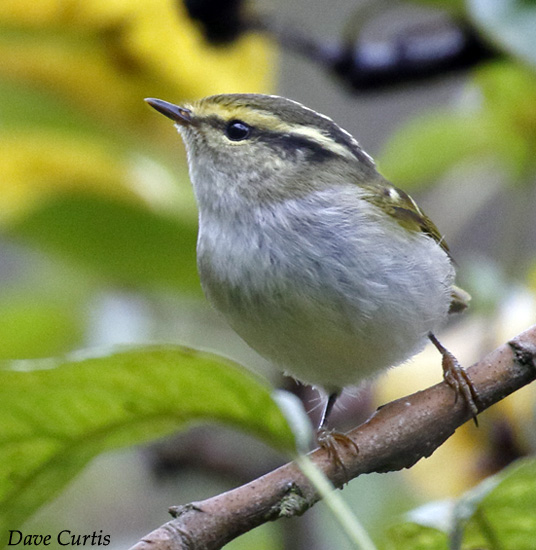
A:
(331, 294)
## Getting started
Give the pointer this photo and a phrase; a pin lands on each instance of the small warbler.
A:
(315, 260)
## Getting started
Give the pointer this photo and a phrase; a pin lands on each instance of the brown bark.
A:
(395, 437)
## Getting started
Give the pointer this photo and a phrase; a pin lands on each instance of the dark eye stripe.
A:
(287, 142)
(291, 143)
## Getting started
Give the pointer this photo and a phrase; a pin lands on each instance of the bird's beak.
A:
(180, 115)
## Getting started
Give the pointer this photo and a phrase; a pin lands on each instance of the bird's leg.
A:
(457, 378)
(330, 403)
(330, 440)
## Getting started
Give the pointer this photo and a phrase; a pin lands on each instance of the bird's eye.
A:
(237, 130)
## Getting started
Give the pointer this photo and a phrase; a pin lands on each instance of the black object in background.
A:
(414, 54)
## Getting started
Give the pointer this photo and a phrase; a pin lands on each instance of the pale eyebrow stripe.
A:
(320, 138)
(317, 138)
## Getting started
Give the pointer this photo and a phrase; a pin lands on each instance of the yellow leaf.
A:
(35, 164)
(107, 56)
(101, 58)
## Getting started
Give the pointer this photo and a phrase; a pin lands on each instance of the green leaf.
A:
(500, 127)
(499, 513)
(411, 536)
(56, 415)
(424, 148)
(456, 7)
(23, 106)
(509, 23)
(122, 241)
(43, 306)
(34, 326)
(504, 512)
(509, 99)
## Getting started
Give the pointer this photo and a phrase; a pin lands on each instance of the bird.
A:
(319, 263)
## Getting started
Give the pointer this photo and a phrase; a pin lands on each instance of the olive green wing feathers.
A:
(402, 208)
(405, 211)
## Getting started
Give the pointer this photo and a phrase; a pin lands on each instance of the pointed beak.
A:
(177, 114)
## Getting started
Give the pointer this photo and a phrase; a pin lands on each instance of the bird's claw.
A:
(331, 441)
(456, 377)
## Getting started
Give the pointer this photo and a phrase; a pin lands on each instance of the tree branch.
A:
(395, 437)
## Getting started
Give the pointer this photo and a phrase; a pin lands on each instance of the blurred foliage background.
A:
(98, 228)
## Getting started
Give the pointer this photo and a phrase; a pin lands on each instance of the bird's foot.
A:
(331, 441)
(456, 377)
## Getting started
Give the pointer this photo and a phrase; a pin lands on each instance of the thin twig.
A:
(395, 437)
